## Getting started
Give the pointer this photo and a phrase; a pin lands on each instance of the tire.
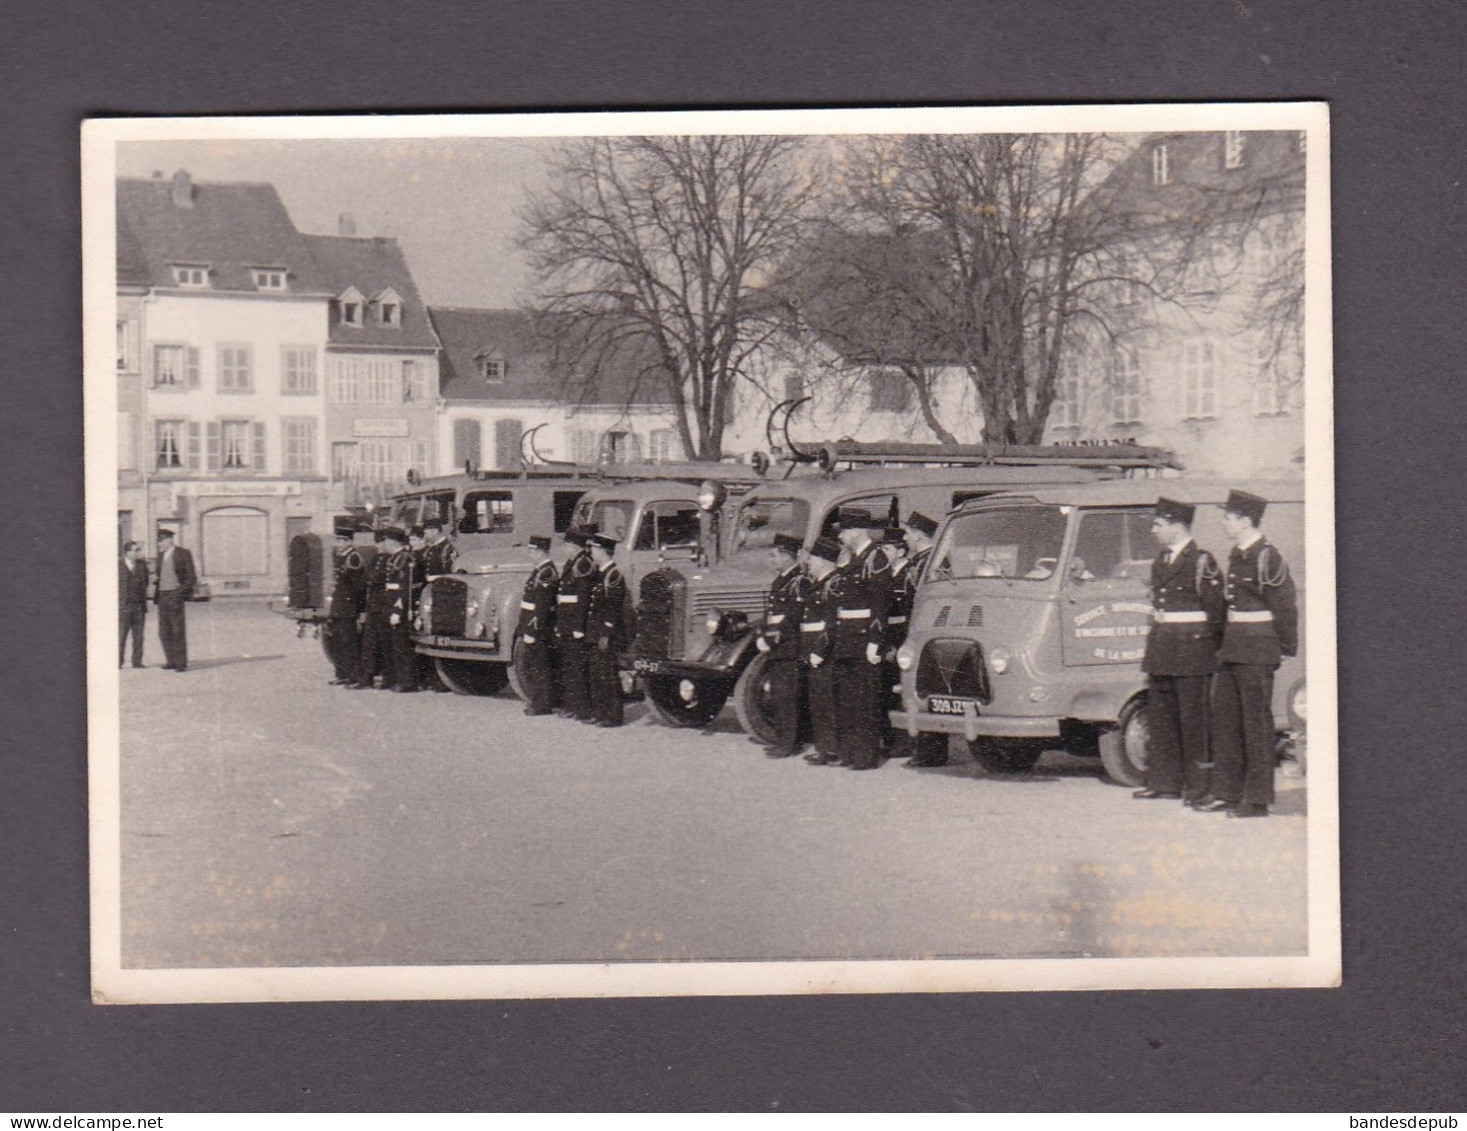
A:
(471, 677)
(751, 701)
(665, 696)
(1007, 755)
(1123, 748)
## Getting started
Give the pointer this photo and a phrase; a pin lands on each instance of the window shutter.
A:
(193, 446)
(257, 459)
(213, 446)
(634, 447)
(191, 368)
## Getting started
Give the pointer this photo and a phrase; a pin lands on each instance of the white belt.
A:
(813, 626)
(393, 585)
(1194, 616)
(854, 614)
(566, 600)
(1250, 616)
(776, 618)
(529, 605)
(896, 620)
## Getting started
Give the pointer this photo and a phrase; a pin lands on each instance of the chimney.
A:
(182, 190)
(346, 224)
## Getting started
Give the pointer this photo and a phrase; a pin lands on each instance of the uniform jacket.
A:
(401, 574)
(439, 558)
(1263, 607)
(822, 598)
(781, 628)
(132, 582)
(865, 600)
(183, 565)
(903, 596)
(537, 604)
(349, 593)
(572, 601)
(1186, 589)
(607, 614)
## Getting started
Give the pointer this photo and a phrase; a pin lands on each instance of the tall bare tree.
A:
(650, 254)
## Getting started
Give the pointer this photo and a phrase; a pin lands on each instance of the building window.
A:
(467, 446)
(890, 391)
(191, 275)
(1199, 380)
(234, 445)
(344, 461)
(175, 367)
(381, 461)
(168, 445)
(622, 447)
(270, 279)
(127, 346)
(659, 445)
(343, 373)
(127, 456)
(412, 382)
(1064, 411)
(300, 446)
(382, 383)
(298, 370)
(491, 369)
(585, 446)
(1125, 387)
(390, 314)
(1233, 149)
(1280, 368)
(234, 369)
(1160, 170)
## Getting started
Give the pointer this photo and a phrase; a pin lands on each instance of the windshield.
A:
(1022, 543)
(667, 523)
(761, 519)
(610, 516)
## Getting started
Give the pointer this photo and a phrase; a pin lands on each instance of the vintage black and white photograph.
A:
(825, 551)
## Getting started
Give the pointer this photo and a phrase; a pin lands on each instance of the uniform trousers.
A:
(532, 665)
(573, 679)
(134, 616)
(1176, 711)
(402, 671)
(343, 643)
(820, 689)
(860, 715)
(782, 684)
(172, 630)
(376, 649)
(605, 688)
(1242, 734)
(899, 743)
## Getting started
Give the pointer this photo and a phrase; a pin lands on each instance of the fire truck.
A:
(694, 647)
(662, 513)
(1032, 614)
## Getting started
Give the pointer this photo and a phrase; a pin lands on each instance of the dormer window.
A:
(351, 304)
(191, 275)
(270, 278)
(389, 308)
(491, 367)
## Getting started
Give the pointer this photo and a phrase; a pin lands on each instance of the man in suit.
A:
(132, 601)
(1181, 655)
(1262, 627)
(174, 580)
(606, 629)
(778, 638)
(816, 647)
(534, 658)
(577, 580)
(859, 633)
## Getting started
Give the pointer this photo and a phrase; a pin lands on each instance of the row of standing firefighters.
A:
(836, 615)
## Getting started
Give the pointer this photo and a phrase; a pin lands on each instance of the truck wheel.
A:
(751, 701)
(681, 702)
(1123, 748)
(1007, 755)
(471, 677)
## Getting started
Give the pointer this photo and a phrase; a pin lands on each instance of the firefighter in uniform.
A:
(534, 657)
(402, 587)
(606, 629)
(1181, 655)
(821, 600)
(778, 639)
(433, 555)
(439, 554)
(577, 580)
(1262, 627)
(894, 543)
(380, 602)
(859, 632)
(345, 605)
(925, 749)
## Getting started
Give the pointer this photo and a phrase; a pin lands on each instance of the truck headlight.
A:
(712, 624)
(906, 657)
(471, 610)
(998, 660)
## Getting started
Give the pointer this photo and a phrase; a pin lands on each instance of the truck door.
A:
(1105, 601)
(668, 529)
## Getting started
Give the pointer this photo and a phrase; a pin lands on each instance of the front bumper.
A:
(457, 648)
(971, 725)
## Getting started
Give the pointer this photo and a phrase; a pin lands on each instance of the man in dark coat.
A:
(1262, 628)
(436, 556)
(817, 646)
(132, 602)
(606, 629)
(534, 658)
(926, 749)
(778, 639)
(346, 604)
(577, 580)
(384, 599)
(1181, 655)
(859, 633)
(404, 583)
(174, 580)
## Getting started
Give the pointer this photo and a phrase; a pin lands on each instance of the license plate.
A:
(944, 705)
(648, 667)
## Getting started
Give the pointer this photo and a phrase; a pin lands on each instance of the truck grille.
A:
(748, 601)
(450, 603)
(660, 616)
(953, 667)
